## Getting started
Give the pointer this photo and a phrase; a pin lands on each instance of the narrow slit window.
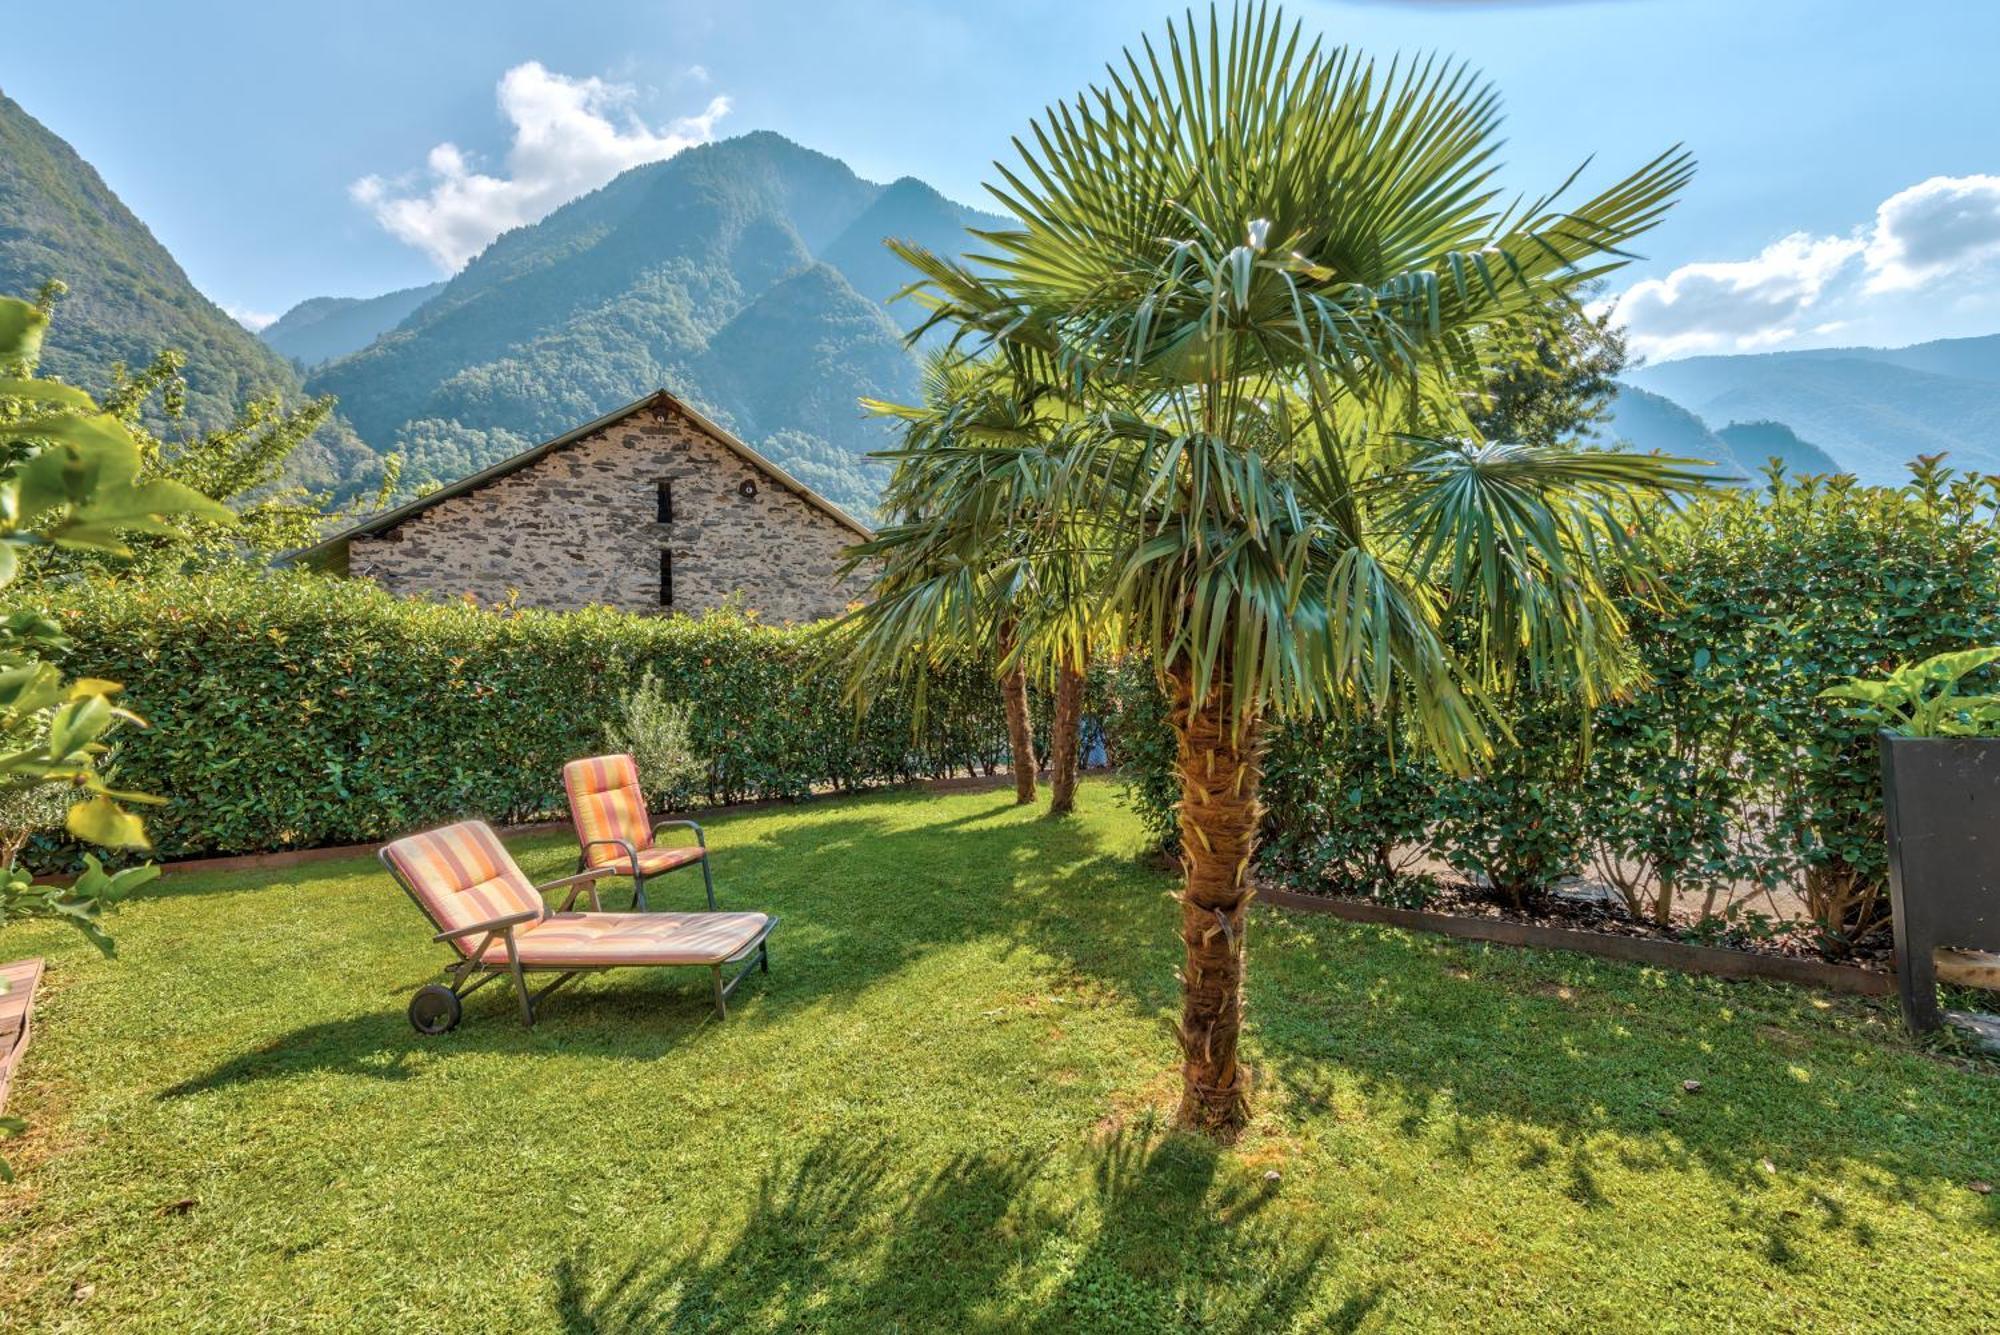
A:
(664, 500)
(666, 578)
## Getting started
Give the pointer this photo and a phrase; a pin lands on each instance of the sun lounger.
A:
(498, 925)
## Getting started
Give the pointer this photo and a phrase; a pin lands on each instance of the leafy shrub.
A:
(1725, 771)
(292, 709)
(658, 733)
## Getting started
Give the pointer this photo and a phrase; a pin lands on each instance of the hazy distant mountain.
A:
(1650, 422)
(128, 299)
(1871, 409)
(746, 275)
(322, 328)
(1754, 444)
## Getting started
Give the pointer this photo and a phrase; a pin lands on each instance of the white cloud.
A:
(569, 137)
(1934, 228)
(1736, 305)
(254, 321)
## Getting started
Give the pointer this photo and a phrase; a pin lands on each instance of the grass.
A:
(944, 1109)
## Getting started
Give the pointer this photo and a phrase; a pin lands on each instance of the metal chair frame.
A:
(639, 877)
(469, 973)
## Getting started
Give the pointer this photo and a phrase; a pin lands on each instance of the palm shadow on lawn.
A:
(1164, 1241)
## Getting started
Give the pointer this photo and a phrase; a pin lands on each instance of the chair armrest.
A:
(590, 874)
(581, 881)
(506, 924)
(699, 838)
(631, 853)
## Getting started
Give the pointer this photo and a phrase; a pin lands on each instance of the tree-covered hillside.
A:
(1755, 444)
(746, 276)
(1870, 413)
(322, 328)
(129, 300)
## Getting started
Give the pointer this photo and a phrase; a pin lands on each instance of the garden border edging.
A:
(1713, 960)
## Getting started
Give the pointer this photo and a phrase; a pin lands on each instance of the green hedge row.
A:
(1723, 795)
(291, 709)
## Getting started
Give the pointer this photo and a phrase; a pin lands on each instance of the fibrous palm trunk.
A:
(1220, 765)
(1064, 741)
(1020, 732)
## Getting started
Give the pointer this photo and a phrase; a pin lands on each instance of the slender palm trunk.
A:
(1063, 745)
(1020, 732)
(1220, 770)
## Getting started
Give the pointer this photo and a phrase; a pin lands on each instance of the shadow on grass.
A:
(1476, 1047)
(860, 900)
(967, 1246)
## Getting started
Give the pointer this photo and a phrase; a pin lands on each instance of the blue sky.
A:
(1849, 190)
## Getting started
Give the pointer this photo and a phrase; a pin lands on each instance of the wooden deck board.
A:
(17, 1010)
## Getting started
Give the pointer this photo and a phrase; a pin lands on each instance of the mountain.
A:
(910, 211)
(128, 299)
(1871, 409)
(1650, 422)
(1655, 424)
(322, 328)
(1754, 444)
(746, 275)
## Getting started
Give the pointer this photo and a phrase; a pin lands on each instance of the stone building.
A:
(651, 508)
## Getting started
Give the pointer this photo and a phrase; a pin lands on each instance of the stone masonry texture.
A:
(580, 526)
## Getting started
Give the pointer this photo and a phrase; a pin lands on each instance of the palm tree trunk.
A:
(1220, 770)
(1063, 747)
(1020, 732)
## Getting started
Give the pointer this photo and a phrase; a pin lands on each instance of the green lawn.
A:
(943, 1110)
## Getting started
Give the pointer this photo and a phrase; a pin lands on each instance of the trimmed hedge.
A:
(1724, 772)
(293, 710)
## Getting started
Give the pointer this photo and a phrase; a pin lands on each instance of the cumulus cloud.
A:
(1736, 305)
(569, 137)
(254, 321)
(1932, 229)
(1810, 287)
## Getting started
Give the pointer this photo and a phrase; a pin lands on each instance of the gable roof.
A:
(388, 519)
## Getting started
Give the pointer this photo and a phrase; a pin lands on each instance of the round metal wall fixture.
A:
(748, 491)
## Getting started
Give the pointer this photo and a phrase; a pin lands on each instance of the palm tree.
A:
(1273, 275)
(971, 406)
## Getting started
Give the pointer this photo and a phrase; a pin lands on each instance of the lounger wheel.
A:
(435, 1009)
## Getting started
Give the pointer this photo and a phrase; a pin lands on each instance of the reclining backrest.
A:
(462, 875)
(605, 802)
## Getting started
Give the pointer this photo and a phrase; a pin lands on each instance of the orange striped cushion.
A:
(606, 803)
(588, 940)
(653, 861)
(462, 875)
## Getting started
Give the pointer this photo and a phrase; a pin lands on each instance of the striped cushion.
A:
(653, 861)
(587, 940)
(462, 875)
(606, 803)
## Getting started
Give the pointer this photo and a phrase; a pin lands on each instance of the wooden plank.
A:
(20, 980)
(1715, 960)
(23, 977)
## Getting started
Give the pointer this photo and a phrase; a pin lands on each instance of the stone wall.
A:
(580, 526)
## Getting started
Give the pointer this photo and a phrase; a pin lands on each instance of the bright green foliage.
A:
(1730, 766)
(294, 709)
(1923, 699)
(658, 733)
(243, 466)
(1273, 277)
(70, 478)
(941, 1112)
